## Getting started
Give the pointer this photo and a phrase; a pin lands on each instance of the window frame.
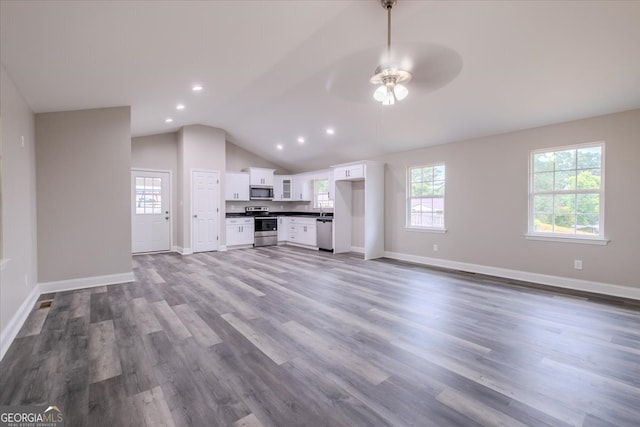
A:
(315, 194)
(562, 237)
(408, 198)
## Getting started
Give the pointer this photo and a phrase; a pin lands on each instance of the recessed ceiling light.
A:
(168, 120)
(330, 131)
(279, 146)
(301, 140)
(180, 107)
(197, 88)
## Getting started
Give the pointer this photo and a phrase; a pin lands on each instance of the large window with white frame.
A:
(566, 192)
(425, 197)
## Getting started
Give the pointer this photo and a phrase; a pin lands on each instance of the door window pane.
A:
(148, 195)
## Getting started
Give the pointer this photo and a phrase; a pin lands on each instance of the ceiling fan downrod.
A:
(388, 4)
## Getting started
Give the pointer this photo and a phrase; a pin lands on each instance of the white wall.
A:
(18, 276)
(159, 152)
(237, 158)
(486, 202)
(84, 194)
(357, 214)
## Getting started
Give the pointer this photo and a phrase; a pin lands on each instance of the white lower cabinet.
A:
(283, 223)
(240, 231)
(302, 231)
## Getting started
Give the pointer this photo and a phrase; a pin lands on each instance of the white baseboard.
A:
(13, 327)
(183, 251)
(222, 248)
(544, 279)
(85, 282)
(357, 249)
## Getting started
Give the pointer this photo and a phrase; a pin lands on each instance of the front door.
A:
(205, 199)
(151, 220)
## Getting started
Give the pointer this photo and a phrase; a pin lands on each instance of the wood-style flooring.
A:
(281, 336)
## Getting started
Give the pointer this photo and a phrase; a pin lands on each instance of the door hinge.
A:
(217, 237)
(217, 209)
(217, 181)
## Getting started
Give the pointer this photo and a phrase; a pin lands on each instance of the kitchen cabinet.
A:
(283, 224)
(349, 172)
(239, 231)
(282, 188)
(236, 187)
(302, 231)
(261, 176)
(301, 188)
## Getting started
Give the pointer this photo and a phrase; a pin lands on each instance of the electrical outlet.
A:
(435, 248)
(577, 264)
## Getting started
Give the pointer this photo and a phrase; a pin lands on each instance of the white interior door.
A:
(205, 200)
(151, 219)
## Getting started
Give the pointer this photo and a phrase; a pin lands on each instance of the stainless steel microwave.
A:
(260, 192)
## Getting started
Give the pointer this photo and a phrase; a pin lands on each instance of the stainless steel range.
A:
(266, 227)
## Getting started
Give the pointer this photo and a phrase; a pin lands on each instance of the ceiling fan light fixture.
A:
(389, 77)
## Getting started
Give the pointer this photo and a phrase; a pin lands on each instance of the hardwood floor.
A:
(280, 336)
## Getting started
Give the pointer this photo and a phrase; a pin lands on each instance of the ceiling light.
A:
(197, 88)
(179, 107)
(301, 140)
(279, 146)
(168, 120)
(389, 77)
(330, 131)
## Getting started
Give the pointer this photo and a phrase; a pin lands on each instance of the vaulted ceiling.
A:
(273, 71)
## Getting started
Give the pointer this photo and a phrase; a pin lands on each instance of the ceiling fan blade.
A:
(435, 66)
(432, 66)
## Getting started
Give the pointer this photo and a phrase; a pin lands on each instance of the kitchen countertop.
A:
(277, 214)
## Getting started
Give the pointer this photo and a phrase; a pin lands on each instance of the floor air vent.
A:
(45, 304)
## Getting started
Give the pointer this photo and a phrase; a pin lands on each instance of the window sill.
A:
(567, 239)
(426, 230)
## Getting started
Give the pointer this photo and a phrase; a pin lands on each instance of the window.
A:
(566, 193)
(148, 195)
(321, 194)
(425, 201)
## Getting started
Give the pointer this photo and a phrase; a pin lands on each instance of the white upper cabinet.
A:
(282, 188)
(350, 172)
(301, 188)
(236, 186)
(261, 176)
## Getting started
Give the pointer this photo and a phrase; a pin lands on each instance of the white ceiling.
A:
(274, 70)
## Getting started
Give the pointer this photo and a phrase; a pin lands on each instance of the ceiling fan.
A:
(389, 77)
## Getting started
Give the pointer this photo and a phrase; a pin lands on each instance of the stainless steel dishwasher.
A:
(324, 229)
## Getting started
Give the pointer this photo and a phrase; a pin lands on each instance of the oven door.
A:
(266, 233)
(266, 224)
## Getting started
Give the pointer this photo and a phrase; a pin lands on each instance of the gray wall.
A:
(159, 152)
(199, 147)
(19, 276)
(84, 193)
(486, 202)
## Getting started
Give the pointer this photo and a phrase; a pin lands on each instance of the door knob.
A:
(166, 217)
